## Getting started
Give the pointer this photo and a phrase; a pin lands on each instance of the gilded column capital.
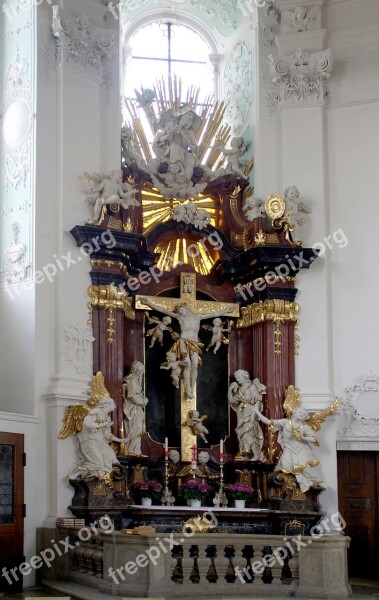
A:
(111, 297)
(277, 311)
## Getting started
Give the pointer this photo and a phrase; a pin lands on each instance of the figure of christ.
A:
(187, 347)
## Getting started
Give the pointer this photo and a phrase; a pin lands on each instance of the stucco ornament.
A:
(238, 87)
(15, 270)
(359, 417)
(301, 77)
(77, 348)
(17, 122)
(221, 13)
(301, 19)
(82, 45)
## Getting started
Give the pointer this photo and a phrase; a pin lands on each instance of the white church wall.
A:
(353, 172)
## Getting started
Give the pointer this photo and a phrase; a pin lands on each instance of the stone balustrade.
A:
(206, 564)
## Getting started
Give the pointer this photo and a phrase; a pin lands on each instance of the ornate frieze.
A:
(301, 77)
(81, 45)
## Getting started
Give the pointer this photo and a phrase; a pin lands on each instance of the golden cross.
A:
(197, 307)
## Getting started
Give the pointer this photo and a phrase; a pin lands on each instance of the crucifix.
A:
(189, 312)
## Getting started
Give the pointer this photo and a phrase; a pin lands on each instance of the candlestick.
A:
(167, 497)
(166, 448)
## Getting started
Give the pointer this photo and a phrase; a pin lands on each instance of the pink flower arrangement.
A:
(192, 490)
(239, 491)
(148, 488)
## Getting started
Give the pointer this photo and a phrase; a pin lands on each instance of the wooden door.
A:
(358, 504)
(11, 508)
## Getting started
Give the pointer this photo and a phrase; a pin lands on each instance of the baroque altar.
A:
(194, 316)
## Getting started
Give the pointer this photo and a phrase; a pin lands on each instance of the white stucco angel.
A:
(111, 190)
(254, 208)
(134, 408)
(92, 427)
(297, 439)
(195, 422)
(156, 332)
(174, 365)
(296, 208)
(244, 396)
(15, 270)
(218, 337)
(234, 155)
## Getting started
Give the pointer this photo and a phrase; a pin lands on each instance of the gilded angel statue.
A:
(111, 191)
(92, 427)
(297, 438)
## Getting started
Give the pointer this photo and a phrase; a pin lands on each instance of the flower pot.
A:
(195, 503)
(147, 501)
(239, 503)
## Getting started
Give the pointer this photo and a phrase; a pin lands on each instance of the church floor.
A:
(362, 589)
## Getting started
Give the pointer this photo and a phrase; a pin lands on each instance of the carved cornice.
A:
(110, 297)
(301, 77)
(277, 311)
(83, 46)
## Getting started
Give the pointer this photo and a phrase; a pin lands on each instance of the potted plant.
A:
(148, 491)
(239, 492)
(194, 492)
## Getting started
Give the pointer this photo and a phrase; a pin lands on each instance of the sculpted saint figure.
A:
(187, 347)
(134, 408)
(244, 396)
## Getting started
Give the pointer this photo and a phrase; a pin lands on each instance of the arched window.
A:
(164, 51)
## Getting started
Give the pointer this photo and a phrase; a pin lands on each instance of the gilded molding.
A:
(111, 298)
(101, 262)
(278, 311)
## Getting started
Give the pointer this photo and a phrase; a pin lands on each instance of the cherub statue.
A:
(234, 154)
(195, 422)
(201, 219)
(174, 466)
(301, 19)
(175, 365)
(296, 437)
(243, 396)
(112, 191)
(157, 332)
(134, 408)
(92, 427)
(180, 213)
(217, 335)
(294, 206)
(254, 208)
(203, 458)
(145, 97)
(129, 153)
